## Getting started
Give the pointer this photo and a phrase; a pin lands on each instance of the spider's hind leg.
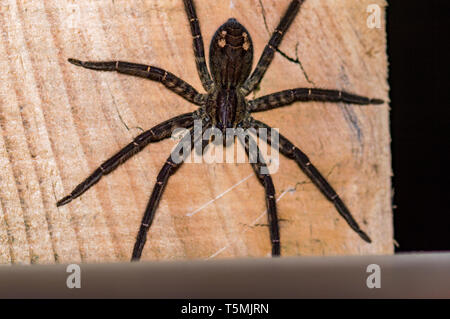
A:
(199, 50)
(269, 51)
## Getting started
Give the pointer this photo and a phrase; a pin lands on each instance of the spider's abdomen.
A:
(230, 55)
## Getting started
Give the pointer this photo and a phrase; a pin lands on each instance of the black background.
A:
(419, 70)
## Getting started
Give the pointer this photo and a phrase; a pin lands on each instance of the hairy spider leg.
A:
(269, 51)
(265, 179)
(289, 150)
(168, 169)
(172, 82)
(287, 97)
(155, 134)
(199, 50)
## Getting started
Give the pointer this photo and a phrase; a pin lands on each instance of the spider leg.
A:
(292, 152)
(199, 50)
(157, 133)
(260, 169)
(161, 180)
(172, 82)
(287, 97)
(271, 47)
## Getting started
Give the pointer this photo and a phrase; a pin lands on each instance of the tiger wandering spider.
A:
(223, 106)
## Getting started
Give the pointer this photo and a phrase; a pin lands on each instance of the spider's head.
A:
(230, 55)
(226, 109)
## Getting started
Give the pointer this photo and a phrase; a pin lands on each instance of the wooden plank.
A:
(59, 122)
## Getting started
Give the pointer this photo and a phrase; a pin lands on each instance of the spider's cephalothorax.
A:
(224, 106)
(231, 57)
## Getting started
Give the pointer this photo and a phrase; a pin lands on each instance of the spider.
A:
(223, 106)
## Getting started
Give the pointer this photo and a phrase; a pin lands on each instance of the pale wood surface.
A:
(59, 122)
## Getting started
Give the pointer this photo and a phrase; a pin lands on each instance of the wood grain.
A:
(58, 122)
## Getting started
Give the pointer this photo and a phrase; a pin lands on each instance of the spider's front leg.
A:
(170, 166)
(287, 97)
(260, 168)
(288, 149)
(157, 133)
(172, 82)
